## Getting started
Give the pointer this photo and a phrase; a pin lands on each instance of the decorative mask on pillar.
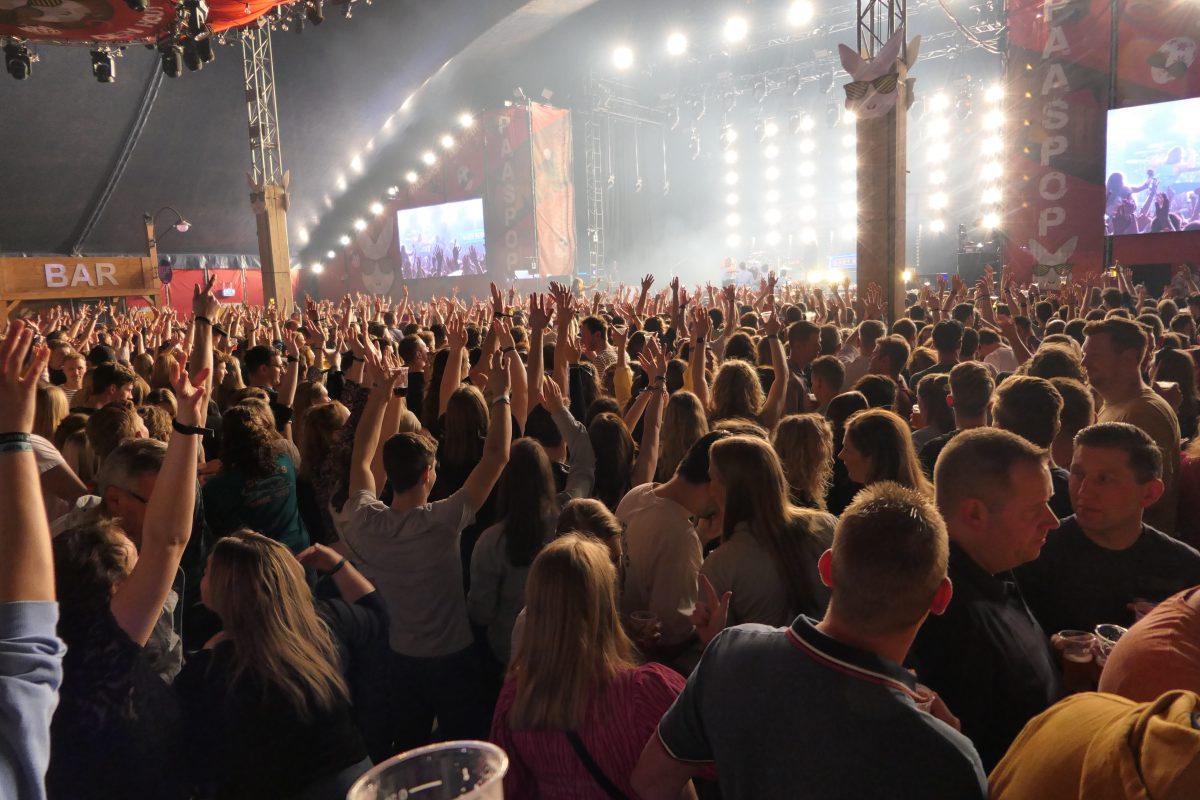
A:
(872, 93)
(1058, 262)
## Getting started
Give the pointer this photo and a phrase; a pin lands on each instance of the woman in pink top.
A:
(574, 692)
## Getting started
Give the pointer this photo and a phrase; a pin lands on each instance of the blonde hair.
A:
(683, 423)
(160, 377)
(573, 645)
(737, 391)
(231, 384)
(804, 443)
(884, 439)
(257, 588)
(50, 409)
(143, 365)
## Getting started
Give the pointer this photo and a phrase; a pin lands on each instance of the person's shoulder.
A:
(634, 499)
(1157, 540)
(653, 677)
(946, 755)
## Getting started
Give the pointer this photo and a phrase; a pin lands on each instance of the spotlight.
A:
(771, 151)
(938, 226)
(994, 94)
(991, 221)
(318, 268)
(392, 191)
(191, 56)
(772, 173)
(994, 119)
(172, 58)
(771, 128)
(800, 12)
(992, 171)
(807, 146)
(332, 254)
(356, 164)
(360, 225)
(204, 49)
(315, 11)
(733, 219)
(808, 214)
(849, 164)
(849, 118)
(622, 57)
(991, 196)
(344, 241)
(849, 140)
(447, 141)
(677, 44)
(735, 29)
(377, 208)
(906, 276)
(729, 135)
(807, 123)
(731, 156)
(808, 236)
(104, 66)
(411, 176)
(939, 103)
(731, 199)
(195, 15)
(465, 120)
(807, 169)
(429, 158)
(18, 60)
(992, 146)
(731, 178)
(733, 240)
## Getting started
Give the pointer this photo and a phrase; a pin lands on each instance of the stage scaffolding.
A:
(258, 69)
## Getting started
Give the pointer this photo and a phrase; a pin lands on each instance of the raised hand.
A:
(190, 394)
(497, 300)
(551, 396)
(539, 315)
(710, 614)
(498, 381)
(456, 332)
(647, 282)
(774, 324)
(653, 360)
(18, 382)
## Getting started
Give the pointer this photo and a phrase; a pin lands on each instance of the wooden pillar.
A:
(273, 251)
(882, 216)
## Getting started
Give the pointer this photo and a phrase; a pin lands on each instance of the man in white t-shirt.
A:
(410, 550)
(993, 352)
(665, 554)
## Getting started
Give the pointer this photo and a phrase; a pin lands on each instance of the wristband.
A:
(337, 567)
(507, 350)
(205, 320)
(15, 447)
(293, 360)
(349, 357)
(219, 331)
(400, 391)
(17, 436)
(189, 430)
(502, 399)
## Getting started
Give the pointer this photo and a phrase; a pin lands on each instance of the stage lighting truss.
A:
(18, 60)
(104, 64)
(170, 52)
(314, 11)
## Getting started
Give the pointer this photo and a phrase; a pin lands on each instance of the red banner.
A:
(554, 191)
(508, 204)
(113, 21)
(1156, 51)
(1057, 85)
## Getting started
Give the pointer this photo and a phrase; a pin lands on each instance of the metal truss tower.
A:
(258, 69)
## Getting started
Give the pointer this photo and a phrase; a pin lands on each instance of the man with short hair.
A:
(947, 340)
(986, 655)
(593, 333)
(890, 359)
(1105, 557)
(111, 383)
(113, 424)
(1112, 355)
(804, 345)
(825, 709)
(1030, 407)
(971, 387)
(856, 354)
(828, 377)
(266, 369)
(992, 350)
(1078, 412)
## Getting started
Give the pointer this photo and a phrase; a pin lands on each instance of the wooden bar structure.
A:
(64, 278)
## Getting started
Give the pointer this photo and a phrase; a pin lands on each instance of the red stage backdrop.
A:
(528, 207)
(1058, 99)
(113, 20)
(1156, 51)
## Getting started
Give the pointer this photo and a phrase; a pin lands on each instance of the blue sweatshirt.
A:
(31, 671)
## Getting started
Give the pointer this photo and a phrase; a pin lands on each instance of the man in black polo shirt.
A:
(1105, 557)
(986, 655)
(1030, 407)
(824, 709)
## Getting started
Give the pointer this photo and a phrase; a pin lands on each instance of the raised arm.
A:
(378, 378)
(495, 449)
(456, 337)
(137, 602)
(772, 409)
(539, 319)
(205, 309)
(655, 365)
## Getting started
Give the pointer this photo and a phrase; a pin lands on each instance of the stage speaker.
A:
(1155, 276)
(970, 266)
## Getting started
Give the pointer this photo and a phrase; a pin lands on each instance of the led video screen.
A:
(1153, 168)
(442, 241)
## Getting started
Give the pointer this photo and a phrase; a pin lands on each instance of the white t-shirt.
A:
(413, 559)
(1002, 359)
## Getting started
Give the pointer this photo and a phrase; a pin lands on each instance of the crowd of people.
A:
(722, 542)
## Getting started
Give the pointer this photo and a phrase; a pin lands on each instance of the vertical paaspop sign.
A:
(1057, 91)
(508, 197)
(554, 190)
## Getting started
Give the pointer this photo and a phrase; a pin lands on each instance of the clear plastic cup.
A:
(1107, 636)
(465, 770)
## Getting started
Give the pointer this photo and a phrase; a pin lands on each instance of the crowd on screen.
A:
(743, 541)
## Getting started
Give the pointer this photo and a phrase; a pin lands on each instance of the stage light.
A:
(344, 241)
(808, 213)
(963, 105)
(429, 158)
(906, 276)
(318, 268)
(992, 171)
(729, 135)
(447, 141)
(341, 183)
(733, 219)
(771, 128)
(936, 155)
(807, 169)
(807, 146)
(995, 93)
(302, 233)
(807, 123)
(195, 15)
(771, 151)
(937, 226)
(104, 66)
(677, 44)
(392, 191)
(204, 49)
(465, 120)
(315, 11)
(731, 178)
(18, 60)
(808, 236)
(800, 12)
(331, 255)
(360, 225)
(356, 164)
(772, 238)
(772, 196)
(411, 176)
(991, 221)
(807, 190)
(991, 195)
(939, 103)
(849, 164)
(376, 208)
(773, 216)
(622, 57)
(937, 177)
(731, 199)
(938, 200)
(993, 119)
(191, 56)
(731, 156)
(849, 118)
(849, 140)
(171, 54)
(849, 209)
(735, 29)
(772, 173)
(992, 145)
(733, 240)
(815, 276)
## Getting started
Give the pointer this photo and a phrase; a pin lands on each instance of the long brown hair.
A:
(257, 588)
(804, 443)
(573, 645)
(884, 438)
(526, 500)
(756, 494)
(683, 423)
(466, 427)
(615, 454)
(248, 442)
(737, 391)
(321, 425)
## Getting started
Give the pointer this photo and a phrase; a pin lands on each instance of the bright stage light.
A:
(807, 146)
(807, 169)
(991, 221)
(991, 196)
(731, 178)
(772, 238)
(731, 156)
(849, 209)
(447, 141)
(808, 236)
(938, 200)
(731, 199)
(318, 268)
(677, 44)
(771, 128)
(465, 120)
(331, 255)
(341, 183)
(377, 208)
(773, 216)
(807, 123)
(429, 158)
(733, 220)
(392, 191)
(622, 57)
(937, 177)
(993, 119)
(849, 164)
(906, 276)
(411, 176)
(939, 103)
(729, 135)
(815, 276)
(994, 94)
(733, 240)
(938, 226)
(303, 234)
(939, 127)
(344, 241)
(849, 140)
(800, 12)
(356, 164)
(992, 171)
(772, 173)
(735, 29)
(360, 224)
(936, 155)
(849, 117)
(807, 213)
(772, 196)
(992, 145)
(807, 190)
(771, 151)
